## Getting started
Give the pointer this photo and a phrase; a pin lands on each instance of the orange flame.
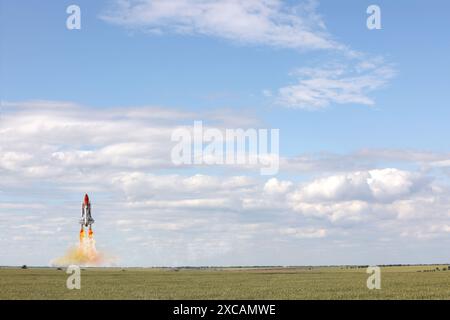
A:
(81, 234)
(91, 234)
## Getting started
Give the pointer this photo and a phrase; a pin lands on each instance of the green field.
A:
(406, 282)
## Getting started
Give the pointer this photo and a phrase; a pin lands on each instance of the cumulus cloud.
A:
(373, 185)
(40, 139)
(355, 196)
(50, 156)
(275, 186)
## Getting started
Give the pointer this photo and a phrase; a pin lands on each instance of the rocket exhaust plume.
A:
(85, 253)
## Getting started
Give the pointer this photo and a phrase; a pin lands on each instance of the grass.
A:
(406, 282)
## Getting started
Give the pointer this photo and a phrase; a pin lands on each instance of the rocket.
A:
(86, 218)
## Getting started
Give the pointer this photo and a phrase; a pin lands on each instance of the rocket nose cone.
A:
(86, 199)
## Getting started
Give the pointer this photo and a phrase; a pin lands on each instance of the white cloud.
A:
(167, 212)
(275, 186)
(362, 160)
(266, 22)
(334, 211)
(388, 184)
(273, 23)
(305, 233)
(372, 185)
(41, 140)
(356, 195)
(428, 231)
(317, 88)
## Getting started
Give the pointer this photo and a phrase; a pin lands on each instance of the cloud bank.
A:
(149, 212)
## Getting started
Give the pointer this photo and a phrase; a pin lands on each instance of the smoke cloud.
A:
(84, 254)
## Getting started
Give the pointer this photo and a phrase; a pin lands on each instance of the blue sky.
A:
(219, 73)
(89, 66)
